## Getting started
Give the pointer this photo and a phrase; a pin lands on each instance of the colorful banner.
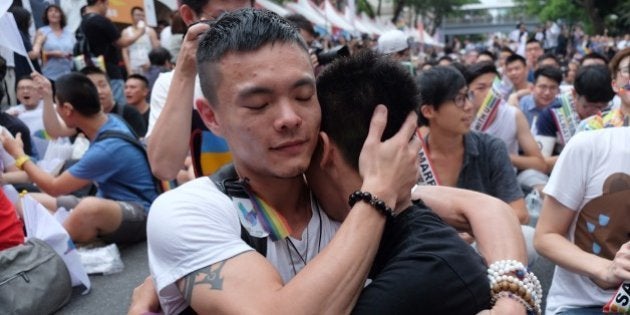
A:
(566, 118)
(487, 111)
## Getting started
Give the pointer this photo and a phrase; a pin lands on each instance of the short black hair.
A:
(93, 70)
(299, 21)
(594, 82)
(243, 30)
(506, 49)
(62, 21)
(22, 78)
(350, 88)
(489, 54)
(514, 58)
(478, 69)
(159, 56)
(198, 5)
(141, 78)
(549, 72)
(549, 56)
(533, 41)
(438, 85)
(136, 8)
(77, 89)
(93, 2)
(594, 55)
(445, 57)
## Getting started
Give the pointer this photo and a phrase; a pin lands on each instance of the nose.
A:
(287, 117)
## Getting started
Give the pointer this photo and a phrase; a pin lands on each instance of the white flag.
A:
(40, 224)
(11, 37)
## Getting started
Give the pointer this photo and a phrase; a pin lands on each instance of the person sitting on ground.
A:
(546, 86)
(288, 99)
(120, 170)
(508, 123)
(30, 111)
(56, 127)
(592, 90)
(582, 228)
(455, 156)
(516, 72)
(136, 91)
(619, 115)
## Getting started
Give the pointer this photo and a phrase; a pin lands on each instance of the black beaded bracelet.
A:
(372, 200)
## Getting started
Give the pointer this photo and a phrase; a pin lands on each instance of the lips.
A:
(293, 146)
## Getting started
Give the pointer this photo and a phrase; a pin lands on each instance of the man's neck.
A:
(142, 107)
(290, 197)
(522, 86)
(91, 125)
(445, 143)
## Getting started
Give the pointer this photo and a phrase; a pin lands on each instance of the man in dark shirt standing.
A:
(104, 39)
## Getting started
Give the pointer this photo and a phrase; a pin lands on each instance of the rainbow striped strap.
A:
(260, 219)
(486, 111)
(566, 118)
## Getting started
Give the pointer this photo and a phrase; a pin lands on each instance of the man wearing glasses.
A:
(546, 86)
(590, 95)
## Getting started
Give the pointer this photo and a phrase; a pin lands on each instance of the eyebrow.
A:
(255, 90)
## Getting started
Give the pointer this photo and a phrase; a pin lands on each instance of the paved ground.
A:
(112, 294)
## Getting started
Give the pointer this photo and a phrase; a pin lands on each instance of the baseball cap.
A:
(392, 41)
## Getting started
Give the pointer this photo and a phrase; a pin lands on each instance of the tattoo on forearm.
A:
(211, 276)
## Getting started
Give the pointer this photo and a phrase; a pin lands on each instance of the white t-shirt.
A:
(587, 164)
(196, 225)
(158, 97)
(504, 127)
(139, 50)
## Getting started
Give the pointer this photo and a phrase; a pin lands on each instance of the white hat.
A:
(392, 41)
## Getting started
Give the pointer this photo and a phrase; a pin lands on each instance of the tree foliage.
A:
(437, 10)
(595, 15)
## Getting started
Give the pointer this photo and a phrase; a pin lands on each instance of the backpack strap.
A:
(229, 183)
(135, 142)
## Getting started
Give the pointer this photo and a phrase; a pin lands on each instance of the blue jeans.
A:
(587, 310)
(118, 87)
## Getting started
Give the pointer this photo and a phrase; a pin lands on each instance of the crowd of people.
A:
(334, 176)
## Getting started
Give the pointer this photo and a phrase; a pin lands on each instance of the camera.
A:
(328, 56)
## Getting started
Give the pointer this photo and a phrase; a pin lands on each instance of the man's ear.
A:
(325, 150)
(208, 115)
(188, 14)
(427, 111)
(67, 109)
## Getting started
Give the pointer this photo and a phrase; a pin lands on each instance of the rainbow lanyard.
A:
(262, 216)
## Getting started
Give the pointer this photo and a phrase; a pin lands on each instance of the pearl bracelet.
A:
(511, 276)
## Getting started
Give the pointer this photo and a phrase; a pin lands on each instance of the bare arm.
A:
(550, 241)
(54, 186)
(531, 158)
(519, 208)
(53, 124)
(128, 38)
(332, 281)
(172, 128)
(126, 60)
(155, 42)
(492, 221)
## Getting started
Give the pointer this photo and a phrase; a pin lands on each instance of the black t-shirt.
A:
(101, 35)
(132, 117)
(424, 267)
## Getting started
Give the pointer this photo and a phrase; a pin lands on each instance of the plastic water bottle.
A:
(533, 201)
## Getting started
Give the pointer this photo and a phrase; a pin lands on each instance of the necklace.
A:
(290, 244)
